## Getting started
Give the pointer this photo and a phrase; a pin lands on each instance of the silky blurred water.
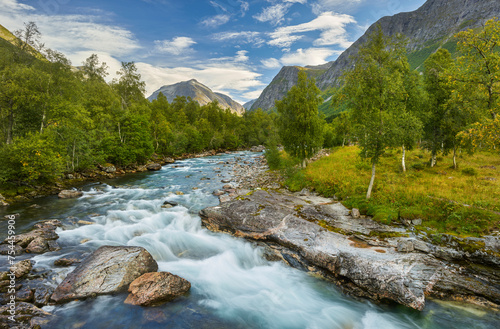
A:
(233, 286)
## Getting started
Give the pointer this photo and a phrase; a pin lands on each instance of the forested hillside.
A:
(57, 119)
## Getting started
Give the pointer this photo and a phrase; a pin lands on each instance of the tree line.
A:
(452, 103)
(56, 118)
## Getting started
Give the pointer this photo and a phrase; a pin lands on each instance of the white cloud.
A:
(71, 34)
(331, 25)
(245, 6)
(274, 14)
(297, 1)
(12, 6)
(243, 37)
(322, 6)
(241, 56)
(253, 94)
(311, 56)
(216, 21)
(178, 45)
(271, 63)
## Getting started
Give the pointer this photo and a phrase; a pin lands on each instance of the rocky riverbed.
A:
(364, 258)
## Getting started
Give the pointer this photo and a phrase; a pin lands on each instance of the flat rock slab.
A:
(152, 289)
(109, 269)
(289, 225)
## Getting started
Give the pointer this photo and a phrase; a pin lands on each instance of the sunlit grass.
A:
(440, 196)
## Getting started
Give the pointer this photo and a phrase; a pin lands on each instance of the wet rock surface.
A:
(109, 269)
(152, 289)
(39, 240)
(70, 194)
(363, 257)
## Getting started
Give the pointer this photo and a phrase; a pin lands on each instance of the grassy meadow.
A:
(463, 201)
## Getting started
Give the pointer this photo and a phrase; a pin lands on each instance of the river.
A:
(233, 285)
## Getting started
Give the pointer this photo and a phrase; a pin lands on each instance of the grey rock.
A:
(70, 194)
(20, 269)
(153, 166)
(417, 222)
(218, 192)
(405, 245)
(289, 225)
(109, 269)
(355, 213)
(12, 250)
(25, 312)
(110, 169)
(42, 295)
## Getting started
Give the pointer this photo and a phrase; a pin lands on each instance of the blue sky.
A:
(233, 46)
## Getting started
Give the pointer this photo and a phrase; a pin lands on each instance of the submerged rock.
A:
(70, 194)
(317, 235)
(155, 288)
(109, 269)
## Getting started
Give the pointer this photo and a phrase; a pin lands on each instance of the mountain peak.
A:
(198, 92)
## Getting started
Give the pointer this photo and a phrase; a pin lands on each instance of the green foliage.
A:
(75, 120)
(273, 156)
(300, 127)
(31, 159)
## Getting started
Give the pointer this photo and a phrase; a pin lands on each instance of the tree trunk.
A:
(433, 160)
(372, 180)
(10, 127)
(343, 141)
(43, 122)
(120, 133)
(403, 159)
(304, 163)
(73, 156)
(454, 157)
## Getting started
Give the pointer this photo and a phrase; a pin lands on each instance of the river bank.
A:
(100, 172)
(362, 257)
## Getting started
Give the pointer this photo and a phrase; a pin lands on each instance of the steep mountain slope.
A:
(282, 83)
(6, 34)
(428, 28)
(249, 104)
(198, 92)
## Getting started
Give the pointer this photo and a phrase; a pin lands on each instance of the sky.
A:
(235, 47)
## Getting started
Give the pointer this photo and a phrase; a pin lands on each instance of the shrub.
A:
(469, 171)
(273, 156)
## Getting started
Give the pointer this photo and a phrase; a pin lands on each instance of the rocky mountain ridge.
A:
(428, 28)
(281, 84)
(198, 92)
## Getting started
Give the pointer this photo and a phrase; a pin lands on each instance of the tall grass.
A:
(447, 200)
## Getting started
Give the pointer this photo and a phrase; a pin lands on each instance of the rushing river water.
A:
(233, 286)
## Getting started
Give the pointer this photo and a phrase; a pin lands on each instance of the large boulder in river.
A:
(109, 269)
(151, 289)
(320, 236)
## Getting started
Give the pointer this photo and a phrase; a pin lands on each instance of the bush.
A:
(273, 157)
(469, 171)
(418, 166)
(31, 159)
